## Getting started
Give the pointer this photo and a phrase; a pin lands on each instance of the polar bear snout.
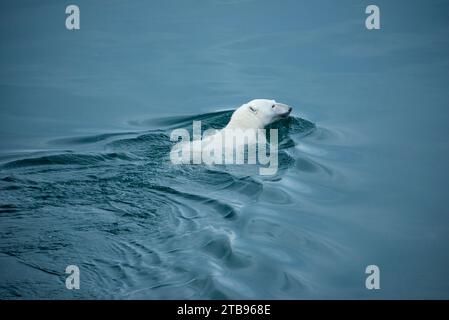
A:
(282, 110)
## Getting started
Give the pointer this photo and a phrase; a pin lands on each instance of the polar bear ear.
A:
(253, 109)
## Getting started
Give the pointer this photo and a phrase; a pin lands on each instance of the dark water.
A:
(85, 177)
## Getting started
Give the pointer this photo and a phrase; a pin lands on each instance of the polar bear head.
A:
(258, 113)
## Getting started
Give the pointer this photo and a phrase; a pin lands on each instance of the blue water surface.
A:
(85, 178)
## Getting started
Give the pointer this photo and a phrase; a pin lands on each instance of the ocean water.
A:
(85, 176)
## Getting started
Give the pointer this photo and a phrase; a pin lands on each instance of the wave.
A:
(67, 159)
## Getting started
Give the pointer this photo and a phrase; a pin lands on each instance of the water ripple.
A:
(140, 227)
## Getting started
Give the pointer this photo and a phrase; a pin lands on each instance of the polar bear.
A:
(245, 129)
(257, 114)
(249, 118)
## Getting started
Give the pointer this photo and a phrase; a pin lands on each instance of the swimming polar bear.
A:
(246, 128)
(249, 118)
(257, 114)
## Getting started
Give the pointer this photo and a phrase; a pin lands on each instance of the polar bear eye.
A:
(252, 108)
(273, 106)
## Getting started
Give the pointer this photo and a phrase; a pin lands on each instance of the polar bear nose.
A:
(290, 109)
